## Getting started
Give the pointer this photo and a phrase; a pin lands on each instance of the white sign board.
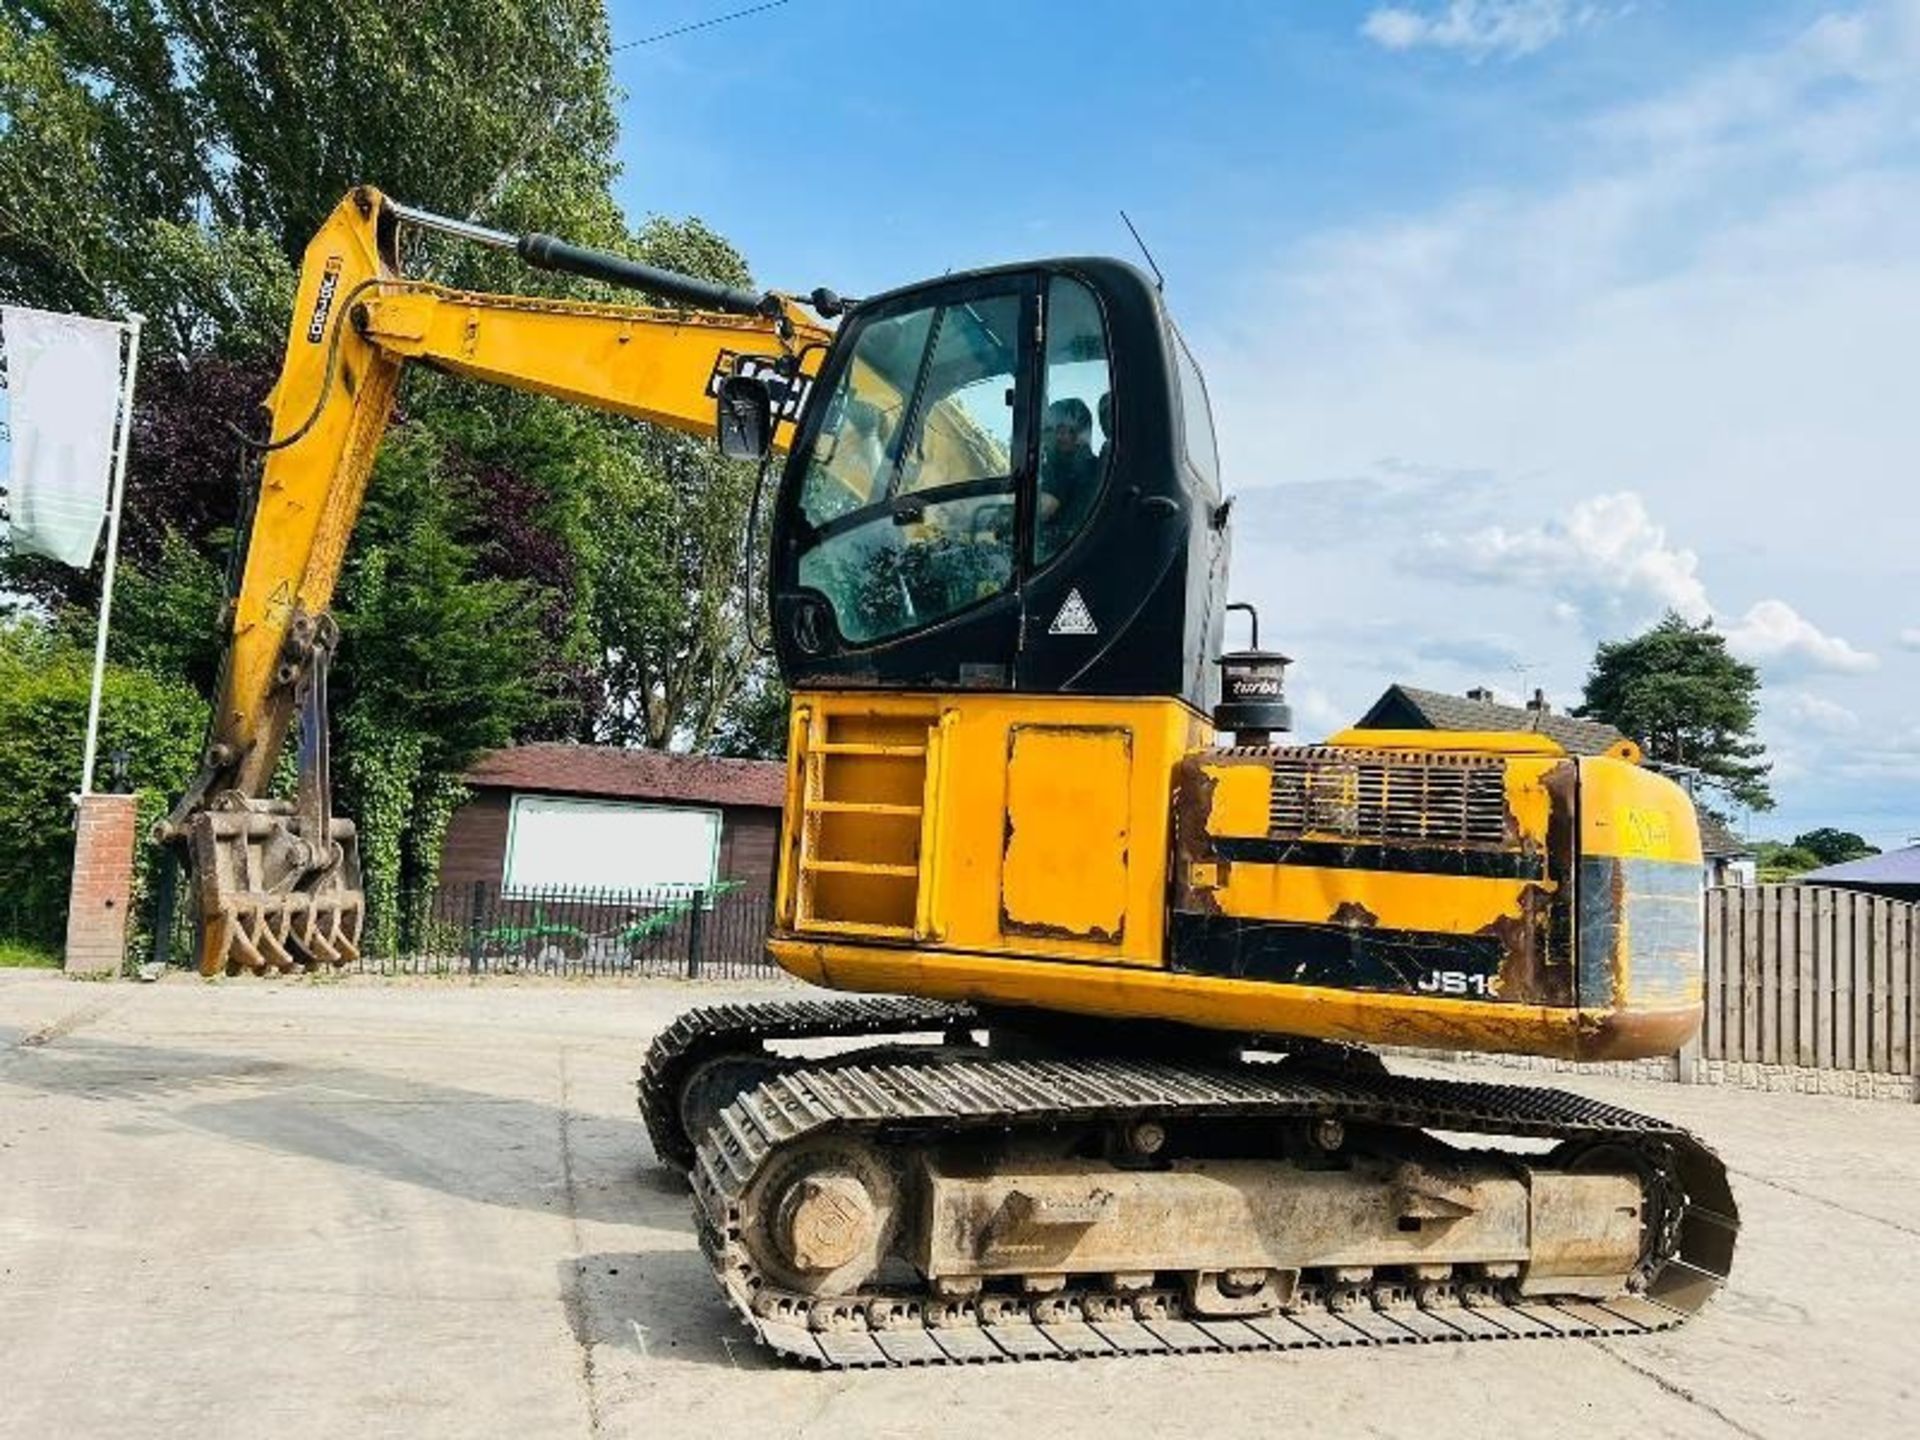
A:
(566, 844)
(63, 397)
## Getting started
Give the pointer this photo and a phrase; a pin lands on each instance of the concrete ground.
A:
(364, 1208)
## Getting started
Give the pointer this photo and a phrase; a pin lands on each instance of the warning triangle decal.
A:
(1074, 618)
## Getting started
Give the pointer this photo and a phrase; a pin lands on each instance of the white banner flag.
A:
(63, 393)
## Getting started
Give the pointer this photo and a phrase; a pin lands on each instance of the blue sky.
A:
(1525, 319)
(862, 145)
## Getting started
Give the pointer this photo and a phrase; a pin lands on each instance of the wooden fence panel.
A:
(1804, 976)
(1812, 976)
(1770, 975)
(1900, 977)
(1879, 982)
(1713, 1029)
(1749, 975)
(1913, 991)
(1862, 982)
(1826, 984)
(1842, 981)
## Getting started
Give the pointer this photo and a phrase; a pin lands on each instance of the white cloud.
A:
(1809, 712)
(1910, 638)
(1607, 562)
(1890, 757)
(1839, 78)
(1393, 649)
(1478, 28)
(1775, 636)
(1388, 497)
(1317, 715)
(1609, 565)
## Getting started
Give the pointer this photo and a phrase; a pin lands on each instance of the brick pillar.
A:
(102, 885)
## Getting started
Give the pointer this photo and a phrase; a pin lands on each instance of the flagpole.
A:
(134, 322)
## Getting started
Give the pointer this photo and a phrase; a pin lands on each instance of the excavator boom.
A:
(277, 884)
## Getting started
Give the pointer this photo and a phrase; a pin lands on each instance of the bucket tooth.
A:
(313, 940)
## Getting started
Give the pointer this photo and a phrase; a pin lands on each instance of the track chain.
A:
(953, 1096)
(697, 1036)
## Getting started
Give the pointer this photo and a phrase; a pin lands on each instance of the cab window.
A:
(849, 466)
(908, 489)
(1076, 428)
(1197, 418)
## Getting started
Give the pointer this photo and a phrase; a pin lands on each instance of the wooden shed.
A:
(554, 816)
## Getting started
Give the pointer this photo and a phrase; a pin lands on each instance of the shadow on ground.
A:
(493, 1149)
(657, 1301)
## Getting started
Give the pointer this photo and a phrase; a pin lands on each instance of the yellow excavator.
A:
(1114, 1087)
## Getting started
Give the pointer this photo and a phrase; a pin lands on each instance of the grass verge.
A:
(27, 955)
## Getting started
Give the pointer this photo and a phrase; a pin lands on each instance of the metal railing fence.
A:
(479, 928)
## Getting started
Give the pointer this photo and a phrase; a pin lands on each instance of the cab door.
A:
(897, 554)
(1105, 599)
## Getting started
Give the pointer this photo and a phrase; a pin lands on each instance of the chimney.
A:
(1482, 694)
(1538, 704)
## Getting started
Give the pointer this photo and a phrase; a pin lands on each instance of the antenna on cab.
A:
(1159, 280)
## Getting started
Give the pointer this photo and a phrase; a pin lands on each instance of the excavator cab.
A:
(1005, 480)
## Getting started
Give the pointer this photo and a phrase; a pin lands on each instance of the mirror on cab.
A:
(745, 428)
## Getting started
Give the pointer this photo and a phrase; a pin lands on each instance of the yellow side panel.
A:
(1043, 827)
(1068, 803)
(1438, 904)
(1241, 794)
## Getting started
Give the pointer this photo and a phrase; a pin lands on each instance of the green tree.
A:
(434, 667)
(1688, 702)
(523, 569)
(672, 573)
(142, 130)
(754, 726)
(1829, 846)
(45, 680)
(1776, 860)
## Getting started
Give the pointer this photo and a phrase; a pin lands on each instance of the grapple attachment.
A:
(269, 895)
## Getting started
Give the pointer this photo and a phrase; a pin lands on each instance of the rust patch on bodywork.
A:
(1200, 872)
(1536, 966)
(1354, 915)
(1449, 875)
(1635, 1035)
(1527, 975)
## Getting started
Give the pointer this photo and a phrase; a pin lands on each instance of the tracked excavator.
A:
(1111, 1083)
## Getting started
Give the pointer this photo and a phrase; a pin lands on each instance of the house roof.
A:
(1440, 711)
(614, 772)
(1895, 867)
(1717, 842)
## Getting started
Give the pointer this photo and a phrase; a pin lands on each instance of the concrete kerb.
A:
(1674, 1069)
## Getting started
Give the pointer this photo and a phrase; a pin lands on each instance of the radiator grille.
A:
(1378, 796)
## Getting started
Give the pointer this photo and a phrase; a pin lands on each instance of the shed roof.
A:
(1441, 711)
(1895, 867)
(616, 773)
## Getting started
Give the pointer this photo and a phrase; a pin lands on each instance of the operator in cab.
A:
(1069, 472)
